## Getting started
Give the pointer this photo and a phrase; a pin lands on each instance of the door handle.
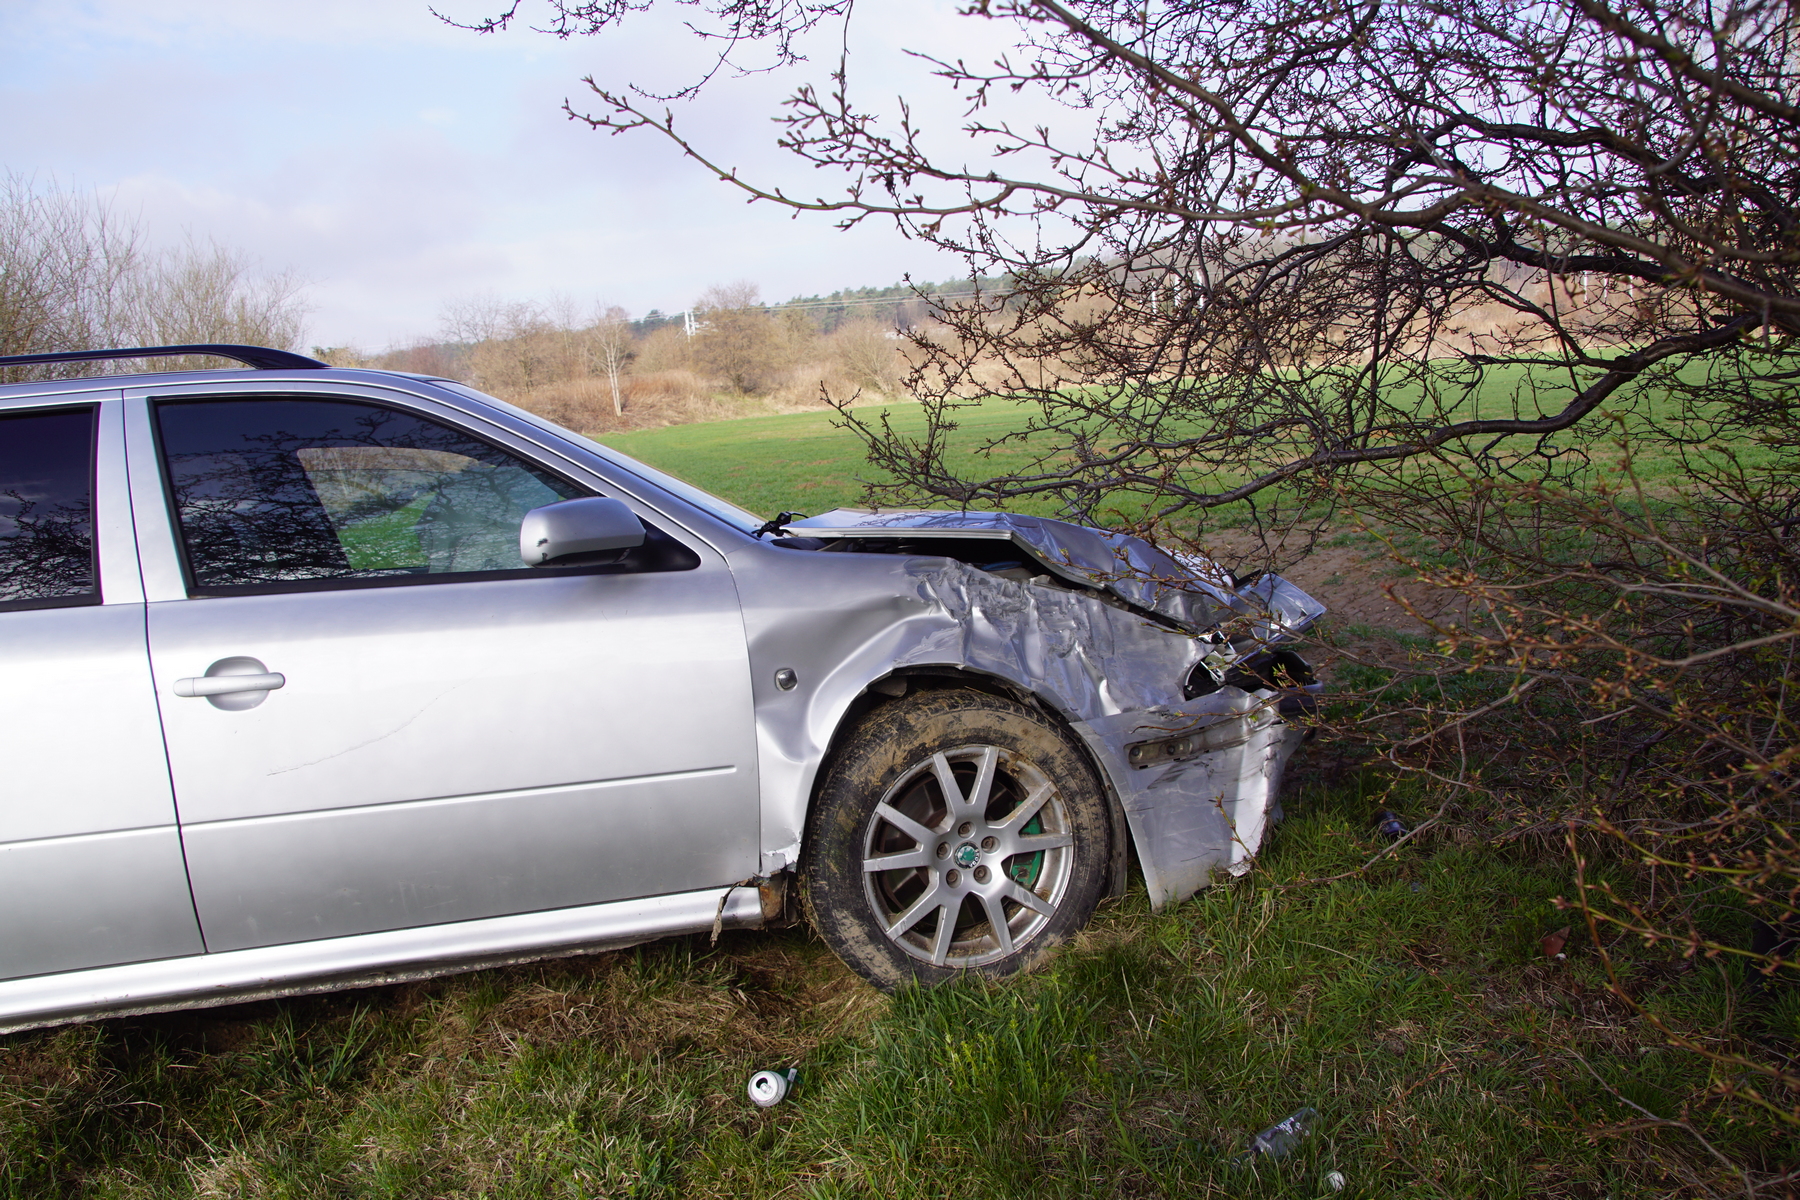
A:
(224, 685)
(233, 684)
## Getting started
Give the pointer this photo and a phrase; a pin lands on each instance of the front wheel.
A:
(956, 831)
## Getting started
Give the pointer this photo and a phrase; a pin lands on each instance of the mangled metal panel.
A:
(1191, 590)
(1204, 812)
(1121, 676)
(1116, 675)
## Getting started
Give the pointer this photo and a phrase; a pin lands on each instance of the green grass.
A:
(803, 462)
(1412, 1007)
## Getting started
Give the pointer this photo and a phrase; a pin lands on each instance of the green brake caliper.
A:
(1026, 868)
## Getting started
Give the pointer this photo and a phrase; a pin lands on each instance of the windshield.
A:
(724, 510)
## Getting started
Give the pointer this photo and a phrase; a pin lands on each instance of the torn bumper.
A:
(1198, 783)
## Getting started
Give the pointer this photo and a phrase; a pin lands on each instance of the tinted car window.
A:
(282, 491)
(46, 509)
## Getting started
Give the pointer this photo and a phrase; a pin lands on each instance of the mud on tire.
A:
(954, 832)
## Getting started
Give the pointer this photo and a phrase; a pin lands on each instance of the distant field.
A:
(801, 462)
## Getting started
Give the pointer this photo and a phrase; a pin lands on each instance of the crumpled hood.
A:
(1193, 591)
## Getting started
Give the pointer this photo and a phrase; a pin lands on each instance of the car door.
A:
(417, 728)
(90, 857)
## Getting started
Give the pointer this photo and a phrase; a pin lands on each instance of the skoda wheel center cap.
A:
(966, 855)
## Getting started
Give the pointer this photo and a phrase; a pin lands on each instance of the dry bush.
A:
(423, 358)
(665, 349)
(812, 385)
(650, 401)
(1619, 683)
(869, 355)
(64, 261)
(743, 359)
(670, 391)
(742, 342)
(208, 293)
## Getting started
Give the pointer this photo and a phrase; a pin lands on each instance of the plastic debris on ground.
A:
(1335, 1180)
(1280, 1138)
(769, 1088)
(1389, 826)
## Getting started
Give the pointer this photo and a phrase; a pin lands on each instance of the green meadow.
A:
(801, 462)
(807, 462)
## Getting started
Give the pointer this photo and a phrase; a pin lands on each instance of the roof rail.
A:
(260, 357)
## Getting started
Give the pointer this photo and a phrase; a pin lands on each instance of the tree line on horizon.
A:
(598, 368)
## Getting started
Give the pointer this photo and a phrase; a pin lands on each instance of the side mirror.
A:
(575, 533)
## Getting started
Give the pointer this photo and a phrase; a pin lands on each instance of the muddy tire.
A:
(954, 832)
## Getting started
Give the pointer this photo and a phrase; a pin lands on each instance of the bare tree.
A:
(512, 346)
(64, 264)
(1290, 213)
(74, 276)
(1519, 281)
(204, 292)
(869, 354)
(609, 348)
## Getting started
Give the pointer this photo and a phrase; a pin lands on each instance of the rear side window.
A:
(47, 509)
(281, 491)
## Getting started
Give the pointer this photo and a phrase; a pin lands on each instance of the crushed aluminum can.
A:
(769, 1088)
(1280, 1138)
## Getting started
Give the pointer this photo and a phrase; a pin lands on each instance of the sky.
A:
(397, 164)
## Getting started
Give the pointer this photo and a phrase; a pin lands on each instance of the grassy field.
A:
(803, 462)
(799, 462)
(1412, 1007)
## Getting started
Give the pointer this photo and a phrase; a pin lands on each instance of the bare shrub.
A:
(73, 276)
(64, 264)
(650, 401)
(738, 358)
(204, 293)
(673, 389)
(740, 341)
(869, 355)
(1423, 267)
(665, 349)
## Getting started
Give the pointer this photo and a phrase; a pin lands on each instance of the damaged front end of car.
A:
(1177, 677)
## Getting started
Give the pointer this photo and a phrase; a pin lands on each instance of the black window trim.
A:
(357, 583)
(97, 594)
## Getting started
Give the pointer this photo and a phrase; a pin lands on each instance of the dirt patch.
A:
(1354, 576)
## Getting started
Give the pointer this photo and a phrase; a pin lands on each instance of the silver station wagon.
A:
(321, 678)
